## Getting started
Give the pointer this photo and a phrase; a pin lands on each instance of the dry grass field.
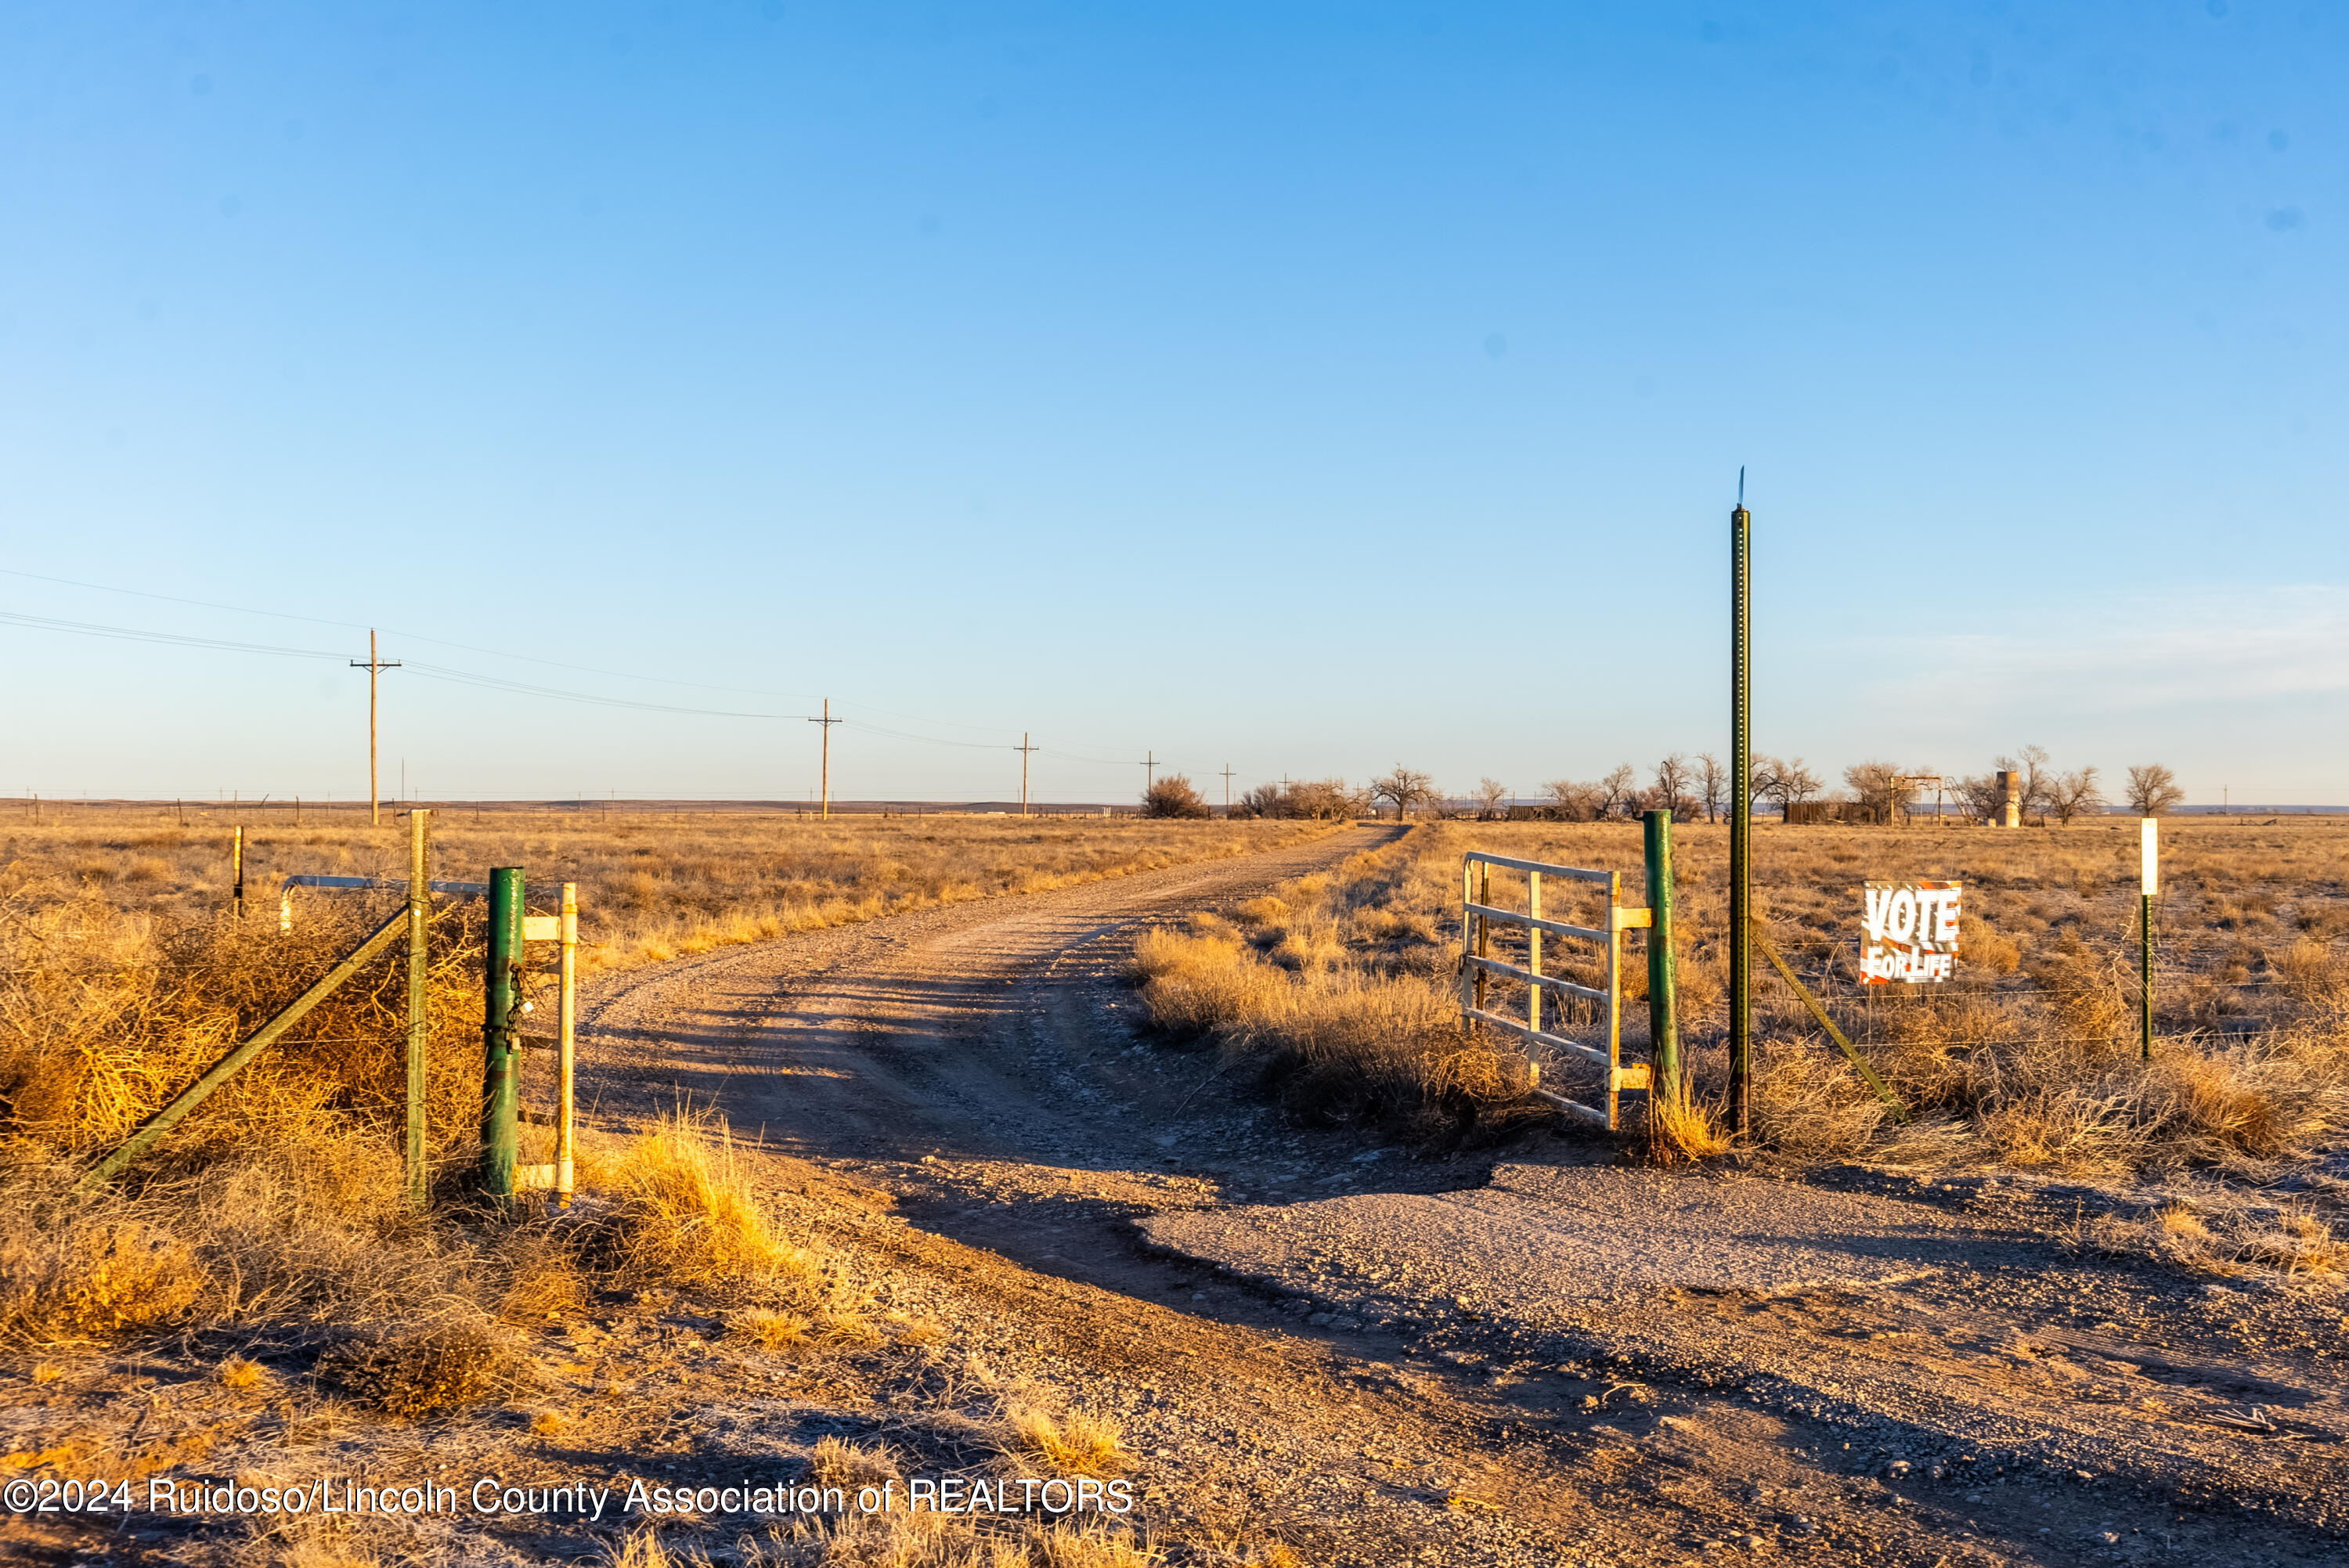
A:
(652, 885)
(123, 976)
(1344, 986)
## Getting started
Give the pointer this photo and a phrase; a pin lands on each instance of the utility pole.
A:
(1024, 749)
(827, 721)
(1227, 789)
(375, 667)
(1741, 815)
(1150, 772)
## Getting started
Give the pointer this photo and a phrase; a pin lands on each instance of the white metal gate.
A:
(1479, 915)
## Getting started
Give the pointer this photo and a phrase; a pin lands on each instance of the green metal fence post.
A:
(1664, 1023)
(1741, 816)
(419, 917)
(501, 1035)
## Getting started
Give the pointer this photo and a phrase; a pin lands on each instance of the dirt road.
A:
(1378, 1358)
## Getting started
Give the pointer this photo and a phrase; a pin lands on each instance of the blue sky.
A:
(1297, 389)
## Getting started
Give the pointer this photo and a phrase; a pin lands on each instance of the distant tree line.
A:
(1874, 791)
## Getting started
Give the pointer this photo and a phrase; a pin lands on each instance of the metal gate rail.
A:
(1479, 915)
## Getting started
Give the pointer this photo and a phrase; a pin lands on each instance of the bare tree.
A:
(1405, 787)
(1489, 794)
(2070, 794)
(1671, 784)
(1879, 788)
(1573, 799)
(1712, 781)
(1980, 798)
(2153, 790)
(1614, 790)
(2037, 776)
(1793, 782)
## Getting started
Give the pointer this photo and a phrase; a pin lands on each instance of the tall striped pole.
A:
(1741, 815)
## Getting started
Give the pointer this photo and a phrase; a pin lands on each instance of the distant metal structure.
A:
(1479, 915)
(1904, 783)
(2010, 789)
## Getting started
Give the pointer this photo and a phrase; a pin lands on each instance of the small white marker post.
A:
(2148, 863)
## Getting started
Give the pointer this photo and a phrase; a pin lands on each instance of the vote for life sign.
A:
(1911, 933)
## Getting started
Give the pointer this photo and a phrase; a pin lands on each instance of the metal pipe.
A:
(567, 1022)
(419, 920)
(1741, 817)
(1663, 1023)
(500, 1034)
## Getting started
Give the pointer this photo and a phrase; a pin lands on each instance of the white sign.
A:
(2148, 854)
(1911, 933)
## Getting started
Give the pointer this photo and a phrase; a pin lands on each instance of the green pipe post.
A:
(501, 1035)
(419, 917)
(2145, 976)
(1664, 1024)
(1741, 816)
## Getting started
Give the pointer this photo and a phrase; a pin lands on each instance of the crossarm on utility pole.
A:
(163, 1120)
(1770, 951)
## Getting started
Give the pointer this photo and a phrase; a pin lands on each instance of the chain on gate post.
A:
(500, 1034)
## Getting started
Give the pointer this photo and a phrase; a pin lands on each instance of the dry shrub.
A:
(414, 1372)
(240, 1374)
(541, 1278)
(844, 1326)
(1075, 1444)
(1808, 1102)
(105, 1016)
(2311, 976)
(685, 1213)
(769, 1329)
(1985, 949)
(73, 1272)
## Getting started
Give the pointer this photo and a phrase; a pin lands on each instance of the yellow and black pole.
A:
(1741, 815)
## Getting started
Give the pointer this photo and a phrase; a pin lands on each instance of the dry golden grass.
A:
(928, 1540)
(769, 1329)
(652, 885)
(837, 1462)
(1344, 986)
(684, 1213)
(1077, 1443)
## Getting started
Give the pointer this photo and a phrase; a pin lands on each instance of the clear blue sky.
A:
(1301, 388)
